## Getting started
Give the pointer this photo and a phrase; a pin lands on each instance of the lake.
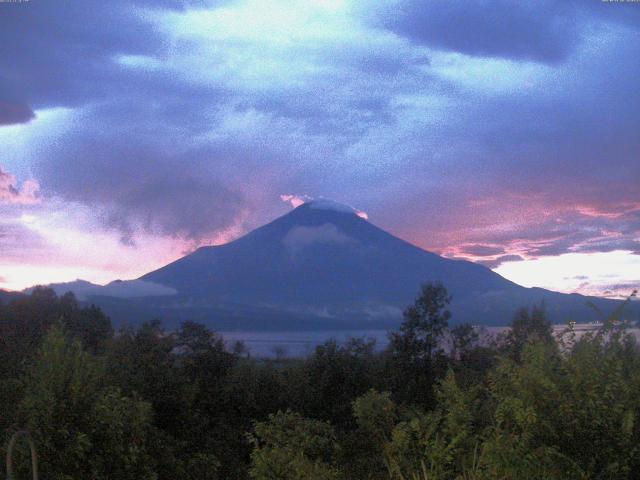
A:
(300, 344)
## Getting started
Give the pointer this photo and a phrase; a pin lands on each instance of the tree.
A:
(141, 362)
(376, 415)
(324, 385)
(120, 428)
(424, 323)
(81, 428)
(89, 325)
(528, 325)
(415, 358)
(205, 365)
(438, 444)
(291, 447)
(463, 339)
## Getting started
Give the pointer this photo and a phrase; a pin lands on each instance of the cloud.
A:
(13, 112)
(480, 250)
(577, 277)
(609, 273)
(18, 242)
(168, 185)
(326, 204)
(11, 192)
(322, 203)
(544, 31)
(295, 200)
(496, 262)
(302, 237)
(46, 41)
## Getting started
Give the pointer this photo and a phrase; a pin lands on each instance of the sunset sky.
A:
(504, 132)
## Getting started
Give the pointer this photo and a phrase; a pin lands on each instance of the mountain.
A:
(84, 290)
(323, 266)
(6, 297)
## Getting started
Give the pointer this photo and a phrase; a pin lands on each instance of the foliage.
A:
(528, 324)
(324, 385)
(435, 444)
(415, 359)
(82, 429)
(290, 447)
(424, 324)
(464, 339)
(146, 403)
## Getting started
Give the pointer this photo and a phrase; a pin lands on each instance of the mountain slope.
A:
(6, 297)
(323, 265)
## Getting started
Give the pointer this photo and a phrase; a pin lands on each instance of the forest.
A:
(144, 403)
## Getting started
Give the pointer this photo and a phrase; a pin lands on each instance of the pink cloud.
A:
(11, 192)
(295, 200)
(522, 224)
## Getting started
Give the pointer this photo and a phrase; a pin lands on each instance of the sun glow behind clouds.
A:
(612, 274)
(19, 277)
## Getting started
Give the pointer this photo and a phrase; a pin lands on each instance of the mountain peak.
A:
(332, 206)
(322, 264)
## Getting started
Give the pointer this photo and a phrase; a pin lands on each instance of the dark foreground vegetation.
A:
(144, 404)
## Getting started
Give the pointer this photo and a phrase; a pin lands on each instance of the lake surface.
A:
(298, 344)
(301, 344)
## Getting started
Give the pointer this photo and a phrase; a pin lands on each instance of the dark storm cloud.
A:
(545, 31)
(61, 53)
(12, 112)
(135, 182)
(541, 31)
(198, 208)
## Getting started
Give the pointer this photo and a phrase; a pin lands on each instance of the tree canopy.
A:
(437, 403)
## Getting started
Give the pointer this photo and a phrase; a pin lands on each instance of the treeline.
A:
(143, 403)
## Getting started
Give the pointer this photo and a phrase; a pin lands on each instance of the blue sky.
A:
(504, 132)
